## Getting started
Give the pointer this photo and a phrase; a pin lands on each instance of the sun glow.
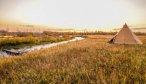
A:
(77, 13)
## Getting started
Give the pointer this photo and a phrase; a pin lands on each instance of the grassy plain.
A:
(89, 61)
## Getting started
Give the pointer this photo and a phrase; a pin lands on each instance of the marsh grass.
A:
(19, 42)
(88, 61)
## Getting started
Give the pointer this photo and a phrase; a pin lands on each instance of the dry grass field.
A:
(90, 61)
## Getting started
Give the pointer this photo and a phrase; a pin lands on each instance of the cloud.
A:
(139, 28)
(8, 5)
(139, 3)
(75, 13)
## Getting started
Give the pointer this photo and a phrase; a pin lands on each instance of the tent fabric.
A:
(125, 36)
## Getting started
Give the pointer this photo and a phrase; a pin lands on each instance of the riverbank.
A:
(36, 47)
(19, 42)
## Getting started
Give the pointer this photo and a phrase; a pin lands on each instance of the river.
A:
(38, 47)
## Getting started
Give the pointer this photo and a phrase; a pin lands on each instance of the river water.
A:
(38, 47)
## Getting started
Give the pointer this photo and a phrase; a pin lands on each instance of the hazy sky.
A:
(96, 14)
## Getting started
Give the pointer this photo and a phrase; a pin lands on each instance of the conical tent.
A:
(125, 36)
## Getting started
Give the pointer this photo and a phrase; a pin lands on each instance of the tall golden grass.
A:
(82, 62)
(17, 41)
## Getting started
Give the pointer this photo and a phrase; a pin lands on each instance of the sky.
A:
(76, 14)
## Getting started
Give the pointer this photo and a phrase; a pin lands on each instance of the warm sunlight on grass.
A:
(88, 61)
(17, 42)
